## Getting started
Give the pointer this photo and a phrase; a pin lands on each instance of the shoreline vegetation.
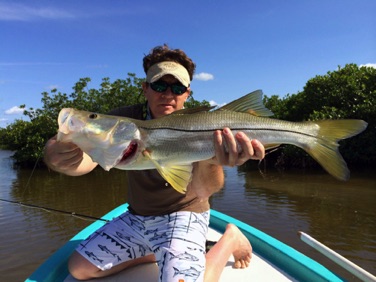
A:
(347, 93)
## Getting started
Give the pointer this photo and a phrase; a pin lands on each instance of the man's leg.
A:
(81, 269)
(179, 245)
(115, 246)
(232, 242)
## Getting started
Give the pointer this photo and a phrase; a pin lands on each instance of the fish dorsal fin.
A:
(269, 147)
(250, 103)
(193, 110)
(178, 176)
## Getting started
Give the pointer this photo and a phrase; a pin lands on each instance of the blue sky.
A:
(238, 46)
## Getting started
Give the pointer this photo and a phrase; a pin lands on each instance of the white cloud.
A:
(18, 12)
(204, 76)
(214, 103)
(369, 65)
(14, 111)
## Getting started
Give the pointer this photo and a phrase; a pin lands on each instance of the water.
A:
(340, 215)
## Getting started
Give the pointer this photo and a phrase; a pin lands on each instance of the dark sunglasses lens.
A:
(178, 89)
(159, 86)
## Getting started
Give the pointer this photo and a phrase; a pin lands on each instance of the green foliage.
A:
(27, 138)
(348, 93)
(192, 103)
(276, 105)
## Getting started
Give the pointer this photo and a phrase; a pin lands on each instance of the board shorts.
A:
(177, 240)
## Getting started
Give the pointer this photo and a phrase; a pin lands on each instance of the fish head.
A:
(108, 140)
(67, 124)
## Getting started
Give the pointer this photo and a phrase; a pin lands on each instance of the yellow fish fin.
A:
(325, 150)
(271, 146)
(250, 103)
(178, 176)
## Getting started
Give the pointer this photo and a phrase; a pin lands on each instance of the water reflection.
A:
(334, 210)
(339, 214)
(7, 173)
(92, 194)
(30, 235)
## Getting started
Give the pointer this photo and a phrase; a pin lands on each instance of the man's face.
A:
(164, 103)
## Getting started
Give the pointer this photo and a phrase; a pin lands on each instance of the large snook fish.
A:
(172, 143)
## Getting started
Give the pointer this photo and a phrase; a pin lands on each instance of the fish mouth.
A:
(129, 153)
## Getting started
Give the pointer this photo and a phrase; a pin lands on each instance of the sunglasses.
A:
(161, 86)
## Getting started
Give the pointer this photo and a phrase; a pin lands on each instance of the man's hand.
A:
(67, 158)
(228, 153)
(208, 176)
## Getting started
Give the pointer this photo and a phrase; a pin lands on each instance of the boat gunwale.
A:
(286, 258)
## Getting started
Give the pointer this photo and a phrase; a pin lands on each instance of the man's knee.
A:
(80, 268)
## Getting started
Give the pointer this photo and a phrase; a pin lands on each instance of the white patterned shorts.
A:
(177, 240)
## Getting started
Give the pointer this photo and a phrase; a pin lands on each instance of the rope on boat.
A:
(74, 214)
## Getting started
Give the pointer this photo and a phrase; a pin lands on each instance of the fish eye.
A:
(93, 116)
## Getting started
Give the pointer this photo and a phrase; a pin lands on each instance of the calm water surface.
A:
(340, 215)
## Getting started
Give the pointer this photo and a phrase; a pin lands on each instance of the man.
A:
(162, 225)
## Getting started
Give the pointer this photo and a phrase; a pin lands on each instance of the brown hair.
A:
(164, 53)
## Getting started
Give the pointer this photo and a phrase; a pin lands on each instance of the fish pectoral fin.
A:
(178, 176)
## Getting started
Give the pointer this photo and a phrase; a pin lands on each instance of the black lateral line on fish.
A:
(232, 128)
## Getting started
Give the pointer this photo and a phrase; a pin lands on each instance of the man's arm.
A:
(208, 176)
(207, 179)
(67, 158)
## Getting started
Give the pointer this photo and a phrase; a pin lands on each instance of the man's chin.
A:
(165, 111)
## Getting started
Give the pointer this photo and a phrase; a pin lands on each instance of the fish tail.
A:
(325, 149)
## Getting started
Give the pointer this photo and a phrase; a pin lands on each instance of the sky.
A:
(238, 46)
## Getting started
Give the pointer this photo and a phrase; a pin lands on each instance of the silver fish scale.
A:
(217, 120)
(186, 137)
(190, 137)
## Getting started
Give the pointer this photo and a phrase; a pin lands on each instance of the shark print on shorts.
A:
(177, 240)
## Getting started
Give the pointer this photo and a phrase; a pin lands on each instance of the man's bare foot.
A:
(242, 247)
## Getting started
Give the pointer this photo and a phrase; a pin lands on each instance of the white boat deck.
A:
(259, 270)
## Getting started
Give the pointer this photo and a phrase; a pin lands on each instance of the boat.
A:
(272, 260)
